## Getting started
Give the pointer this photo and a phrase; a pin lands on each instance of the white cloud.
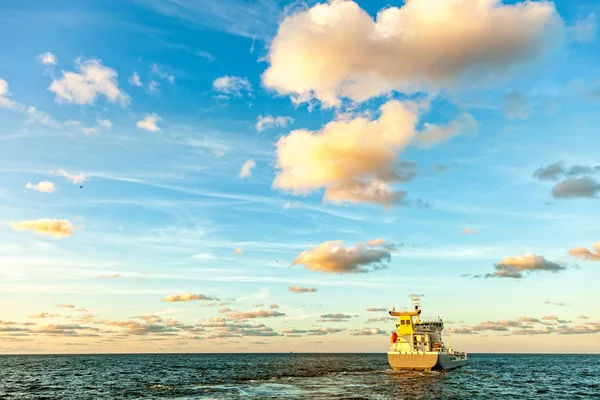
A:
(43, 186)
(156, 70)
(268, 121)
(5, 94)
(149, 123)
(47, 58)
(232, 85)
(205, 54)
(75, 178)
(91, 81)
(336, 50)
(585, 29)
(154, 88)
(246, 170)
(135, 80)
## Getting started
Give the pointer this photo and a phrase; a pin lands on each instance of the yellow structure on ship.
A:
(417, 345)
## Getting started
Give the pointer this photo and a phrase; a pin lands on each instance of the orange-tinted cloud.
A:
(188, 297)
(333, 257)
(42, 315)
(238, 250)
(114, 276)
(300, 289)
(52, 227)
(336, 50)
(585, 254)
(369, 332)
(354, 158)
(375, 309)
(468, 231)
(43, 186)
(514, 267)
(255, 314)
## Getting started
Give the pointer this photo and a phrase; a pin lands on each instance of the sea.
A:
(293, 376)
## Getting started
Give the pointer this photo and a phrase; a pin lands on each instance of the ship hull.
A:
(423, 361)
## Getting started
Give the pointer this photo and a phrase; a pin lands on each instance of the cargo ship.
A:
(417, 345)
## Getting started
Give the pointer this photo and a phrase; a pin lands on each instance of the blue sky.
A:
(163, 204)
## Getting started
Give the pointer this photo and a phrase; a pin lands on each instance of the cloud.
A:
(462, 331)
(273, 306)
(232, 85)
(468, 231)
(206, 55)
(224, 310)
(333, 257)
(354, 159)
(377, 309)
(135, 80)
(255, 314)
(379, 319)
(268, 121)
(555, 304)
(4, 95)
(300, 289)
(43, 186)
(336, 316)
(65, 306)
(75, 178)
(203, 256)
(294, 331)
(324, 331)
(246, 170)
(92, 81)
(149, 123)
(513, 267)
(238, 250)
(551, 173)
(42, 315)
(369, 332)
(47, 58)
(585, 187)
(584, 30)
(154, 88)
(114, 276)
(496, 326)
(336, 50)
(584, 254)
(583, 317)
(188, 297)
(157, 71)
(433, 134)
(516, 106)
(52, 227)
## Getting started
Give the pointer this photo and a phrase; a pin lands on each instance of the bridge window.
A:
(402, 322)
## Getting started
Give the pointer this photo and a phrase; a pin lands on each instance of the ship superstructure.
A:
(418, 345)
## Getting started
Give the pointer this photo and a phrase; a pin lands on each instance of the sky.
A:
(270, 176)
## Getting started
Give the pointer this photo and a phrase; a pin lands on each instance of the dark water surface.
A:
(296, 376)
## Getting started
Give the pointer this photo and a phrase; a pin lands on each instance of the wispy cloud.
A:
(256, 19)
(246, 170)
(232, 85)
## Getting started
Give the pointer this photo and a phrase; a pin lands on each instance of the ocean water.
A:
(293, 376)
